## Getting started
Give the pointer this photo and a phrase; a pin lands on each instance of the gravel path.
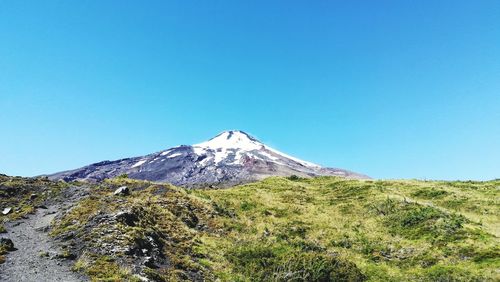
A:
(31, 239)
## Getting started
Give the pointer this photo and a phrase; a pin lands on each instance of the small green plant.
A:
(449, 274)
(429, 193)
(44, 254)
(104, 268)
(65, 254)
(246, 205)
(343, 242)
(294, 177)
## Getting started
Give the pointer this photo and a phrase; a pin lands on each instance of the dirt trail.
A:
(31, 239)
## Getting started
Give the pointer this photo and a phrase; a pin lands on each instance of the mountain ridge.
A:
(231, 157)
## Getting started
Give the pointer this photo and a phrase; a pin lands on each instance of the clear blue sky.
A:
(392, 89)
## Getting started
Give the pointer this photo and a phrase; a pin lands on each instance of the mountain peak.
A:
(239, 134)
(238, 144)
(231, 139)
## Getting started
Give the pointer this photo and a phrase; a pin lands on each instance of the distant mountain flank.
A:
(232, 157)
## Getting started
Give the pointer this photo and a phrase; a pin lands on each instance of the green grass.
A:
(296, 229)
(22, 195)
(103, 268)
(382, 230)
(280, 262)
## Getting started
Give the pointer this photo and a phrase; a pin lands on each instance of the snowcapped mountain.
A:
(232, 157)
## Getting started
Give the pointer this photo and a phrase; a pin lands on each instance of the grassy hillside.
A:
(286, 229)
(390, 230)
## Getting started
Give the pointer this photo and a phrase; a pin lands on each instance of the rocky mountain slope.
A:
(232, 157)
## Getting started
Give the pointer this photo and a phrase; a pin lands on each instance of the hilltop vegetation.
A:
(286, 229)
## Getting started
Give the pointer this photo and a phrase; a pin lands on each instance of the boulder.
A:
(6, 211)
(127, 218)
(122, 191)
(7, 243)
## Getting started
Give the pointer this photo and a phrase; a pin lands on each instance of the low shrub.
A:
(272, 262)
(429, 193)
(415, 221)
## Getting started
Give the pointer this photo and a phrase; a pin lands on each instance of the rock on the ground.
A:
(9, 245)
(122, 191)
(127, 218)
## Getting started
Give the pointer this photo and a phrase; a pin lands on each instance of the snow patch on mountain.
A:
(174, 155)
(165, 153)
(292, 158)
(139, 163)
